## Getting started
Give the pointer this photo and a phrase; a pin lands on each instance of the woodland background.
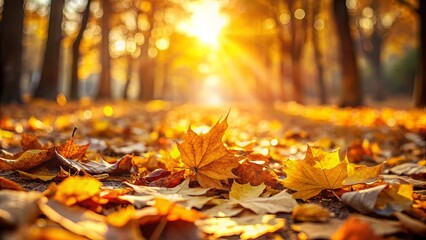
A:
(327, 51)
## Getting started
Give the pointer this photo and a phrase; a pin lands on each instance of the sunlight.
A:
(206, 22)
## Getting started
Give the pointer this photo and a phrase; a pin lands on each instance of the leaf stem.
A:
(73, 131)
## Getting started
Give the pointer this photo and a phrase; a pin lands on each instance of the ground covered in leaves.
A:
(155, 170)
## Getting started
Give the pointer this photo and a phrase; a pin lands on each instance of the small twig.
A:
(336, 196)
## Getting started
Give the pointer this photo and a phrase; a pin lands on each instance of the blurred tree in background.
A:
(307, 51)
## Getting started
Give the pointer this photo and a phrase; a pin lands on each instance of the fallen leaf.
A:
(170, 181)
(27, 160)
(10, 185)
(362, 174)
(255, 174)
(157, 174)
(121, 217)
(310, 212)
(181, 193)
(319, 170)
(30, 141)
(40, 173)
(327, 229)
(18, 209)
(248, 227)
(412, 225)
(76, 189)
(408, 169)
(124, 164)
(207, 157)
(224, 209)
(175, 212)
(355, 229)
(52, 233)
(382, 199)
(86, 223)
(71, 150)
(247, 196)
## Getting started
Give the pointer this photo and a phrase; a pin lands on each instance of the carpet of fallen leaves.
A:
(156, 170)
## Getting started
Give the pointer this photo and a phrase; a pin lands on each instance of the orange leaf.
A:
(176, 212)
(207, 157)
(355, 229)
(30, 141)
(77, 189)
(255, 174)
(71, 150)
(27, 160)
(9, 184)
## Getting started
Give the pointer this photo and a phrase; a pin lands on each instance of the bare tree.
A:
(11, 50)
(351, 84)
(76, 52)
(48, 86)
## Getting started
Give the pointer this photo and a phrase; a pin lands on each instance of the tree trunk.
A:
(298, 37)
(105, 79)
(378, 82)
(129, 76)
(147, 64)
(351, 84)
(48, 86)
(147, 79)
(76, 53)
(11, 50)
(419, 94)
(318, 56)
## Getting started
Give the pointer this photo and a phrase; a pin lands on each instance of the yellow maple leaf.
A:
(319, 170)
(207, 157)
(322, 170)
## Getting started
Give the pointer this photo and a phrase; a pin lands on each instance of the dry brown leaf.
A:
(207, 157)
(71, 150)
(40, 173)
(255, 174)
(30, 141)
(27, 160)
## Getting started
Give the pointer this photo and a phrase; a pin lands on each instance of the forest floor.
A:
(133, 154)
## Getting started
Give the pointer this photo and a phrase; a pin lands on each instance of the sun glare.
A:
(206, 22)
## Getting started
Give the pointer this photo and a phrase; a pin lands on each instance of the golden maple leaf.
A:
(318, 171)
(322, 170)
(207, 157)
